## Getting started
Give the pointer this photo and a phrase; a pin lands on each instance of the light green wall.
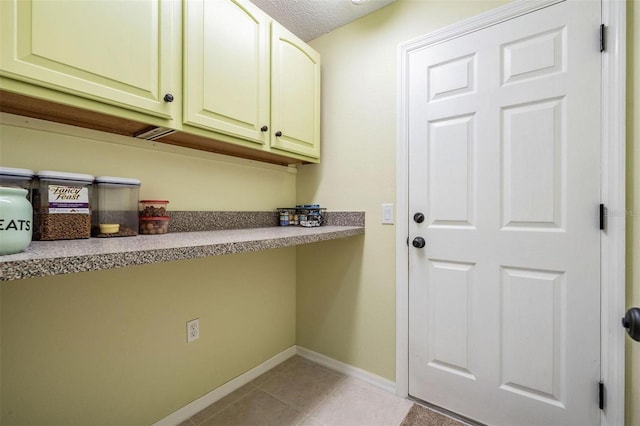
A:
(110, 347)
(633, 205)
(346, 303)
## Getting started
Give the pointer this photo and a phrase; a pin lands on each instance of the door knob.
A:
(264, 128)
(631, 322)
(168, 97)
(419, 242)
(278, 134)
(418, 217)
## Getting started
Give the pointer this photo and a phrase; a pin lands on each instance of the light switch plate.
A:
(387, 214)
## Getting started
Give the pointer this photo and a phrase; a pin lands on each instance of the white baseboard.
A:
(204, 401)
(349, 370)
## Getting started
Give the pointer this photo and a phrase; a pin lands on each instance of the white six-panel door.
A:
(504, 155)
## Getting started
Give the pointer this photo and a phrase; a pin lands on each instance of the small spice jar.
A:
(20, 178)
(115, 207)
(62, 206)
(287, 216)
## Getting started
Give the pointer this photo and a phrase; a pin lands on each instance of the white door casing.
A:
(468, 224)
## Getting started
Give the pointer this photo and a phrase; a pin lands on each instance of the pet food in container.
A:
(17, 178)
(153, 217)
(154, 225)
(153, 208)
(115, 212)
(62, 206)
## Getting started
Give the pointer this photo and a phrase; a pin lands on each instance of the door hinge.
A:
(603, 215)
(601, 395)
(603, 38)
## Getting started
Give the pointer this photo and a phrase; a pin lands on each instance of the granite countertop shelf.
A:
(44, 258)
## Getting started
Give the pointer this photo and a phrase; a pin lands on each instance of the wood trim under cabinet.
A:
(14, 103)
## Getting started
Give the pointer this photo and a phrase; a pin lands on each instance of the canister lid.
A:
(14, 173)
(117, 180)
(52, 175)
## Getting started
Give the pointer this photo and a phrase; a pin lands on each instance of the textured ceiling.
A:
(309, 19)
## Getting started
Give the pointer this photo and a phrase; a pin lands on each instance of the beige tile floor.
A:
(300, 392)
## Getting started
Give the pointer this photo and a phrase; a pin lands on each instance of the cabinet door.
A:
(226, 68)
(118, 52)
(295, 94)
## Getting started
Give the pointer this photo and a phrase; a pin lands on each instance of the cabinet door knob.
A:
(278, 134)
(264, 128)
(168, 97)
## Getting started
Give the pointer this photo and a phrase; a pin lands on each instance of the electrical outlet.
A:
(193, 330)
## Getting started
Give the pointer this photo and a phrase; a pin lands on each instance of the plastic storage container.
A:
(115, 212)
(153, 217)
(62, 206)
(20, 178)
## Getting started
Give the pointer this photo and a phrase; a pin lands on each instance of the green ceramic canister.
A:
(15, 220)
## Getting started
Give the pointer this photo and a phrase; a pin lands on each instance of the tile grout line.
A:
(311, 409)
(343, 383)
(277, 374)
(293, 406)
(224, 407)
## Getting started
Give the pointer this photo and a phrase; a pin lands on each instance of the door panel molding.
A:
(612, 183)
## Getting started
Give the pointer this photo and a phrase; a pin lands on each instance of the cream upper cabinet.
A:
(295, 94)
(246, 76)
(118, 52)
(226, 68)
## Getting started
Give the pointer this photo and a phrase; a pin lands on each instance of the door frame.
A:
(613, 176)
